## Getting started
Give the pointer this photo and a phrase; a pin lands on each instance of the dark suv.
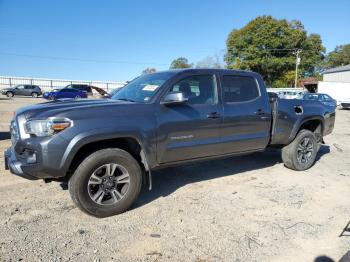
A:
(22, 90)
(81, 87)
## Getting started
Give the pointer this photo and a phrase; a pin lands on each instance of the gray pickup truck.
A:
(106, 149)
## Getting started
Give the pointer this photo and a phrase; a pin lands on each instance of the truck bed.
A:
(290, 114)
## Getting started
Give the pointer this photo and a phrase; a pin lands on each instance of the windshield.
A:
(143, 88)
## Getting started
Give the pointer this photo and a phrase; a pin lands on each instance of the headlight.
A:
(14, 131)
(47, 127)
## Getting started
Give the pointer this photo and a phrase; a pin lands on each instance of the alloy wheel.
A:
(108, 184)
(305, 150)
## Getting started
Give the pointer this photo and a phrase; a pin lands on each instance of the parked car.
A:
(81, 87)
(325, 99)
(111, 93)
(22, 90)
(345, 104)
(291, 94)
(64, 93)
(107, 148)
(89, 89)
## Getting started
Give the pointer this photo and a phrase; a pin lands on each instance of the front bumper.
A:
(37, 158)
(15, 166)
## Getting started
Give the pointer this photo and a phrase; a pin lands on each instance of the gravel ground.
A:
(248, 208)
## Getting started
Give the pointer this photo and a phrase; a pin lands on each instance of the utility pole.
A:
(297, 63)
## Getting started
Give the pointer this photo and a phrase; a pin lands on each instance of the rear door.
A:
(327, 100)
(72, 93)
(192, 129)
(247, 114)
(28, 89)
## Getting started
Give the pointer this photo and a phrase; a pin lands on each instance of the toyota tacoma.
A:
(107, 149)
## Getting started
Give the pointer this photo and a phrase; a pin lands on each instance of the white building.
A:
(339, 74)
(336, 83)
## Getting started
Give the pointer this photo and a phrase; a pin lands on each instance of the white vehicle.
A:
(344, 103)
(339, 91)
(289, 93)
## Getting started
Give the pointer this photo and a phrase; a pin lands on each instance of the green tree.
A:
(149, 70)
(340, 56)
(287, 80)
(268, 45)
(180, 62)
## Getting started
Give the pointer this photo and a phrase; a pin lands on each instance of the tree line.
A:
(270, 47)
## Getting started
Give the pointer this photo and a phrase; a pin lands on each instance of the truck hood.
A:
(53, 108)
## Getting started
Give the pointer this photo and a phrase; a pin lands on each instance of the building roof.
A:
(337, 69)
(308, 81)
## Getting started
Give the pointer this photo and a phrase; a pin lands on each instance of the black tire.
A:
(77, 97)
(9, 94)
(35, 95)
(298, 157)
(80, 190)
(51, 98)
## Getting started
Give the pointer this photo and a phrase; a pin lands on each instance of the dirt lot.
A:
(247, 208)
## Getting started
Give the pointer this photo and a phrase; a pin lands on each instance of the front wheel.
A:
(34, 95)
(9, 94)
(301, 153)
(106, 183)
(77, 97)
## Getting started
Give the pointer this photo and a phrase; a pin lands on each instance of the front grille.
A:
(14, 132)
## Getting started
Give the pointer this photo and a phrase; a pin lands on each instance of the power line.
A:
(81, 59)
(292, 50)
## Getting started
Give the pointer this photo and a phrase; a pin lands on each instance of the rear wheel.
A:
(106, 183)
(34, 95)
(9, 94)
(301, 153)
(77, 97)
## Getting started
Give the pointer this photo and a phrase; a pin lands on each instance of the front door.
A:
(247, 118)
(192, 129)
(19, 90)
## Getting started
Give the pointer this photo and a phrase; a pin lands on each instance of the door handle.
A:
(213, 115)
(259, 112)
(262, 114)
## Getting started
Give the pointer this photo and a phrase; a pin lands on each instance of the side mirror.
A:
(272, 97)
(174, 98)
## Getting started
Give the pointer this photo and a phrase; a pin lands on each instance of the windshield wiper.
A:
(126, 99)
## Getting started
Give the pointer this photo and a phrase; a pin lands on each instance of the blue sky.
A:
(116, 40)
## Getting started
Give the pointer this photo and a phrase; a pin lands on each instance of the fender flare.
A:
(96, 135)
(302, 121)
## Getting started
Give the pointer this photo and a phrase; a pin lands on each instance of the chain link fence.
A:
(50, 84)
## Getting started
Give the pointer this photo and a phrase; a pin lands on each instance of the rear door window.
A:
(239, 88)
(327, 98)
